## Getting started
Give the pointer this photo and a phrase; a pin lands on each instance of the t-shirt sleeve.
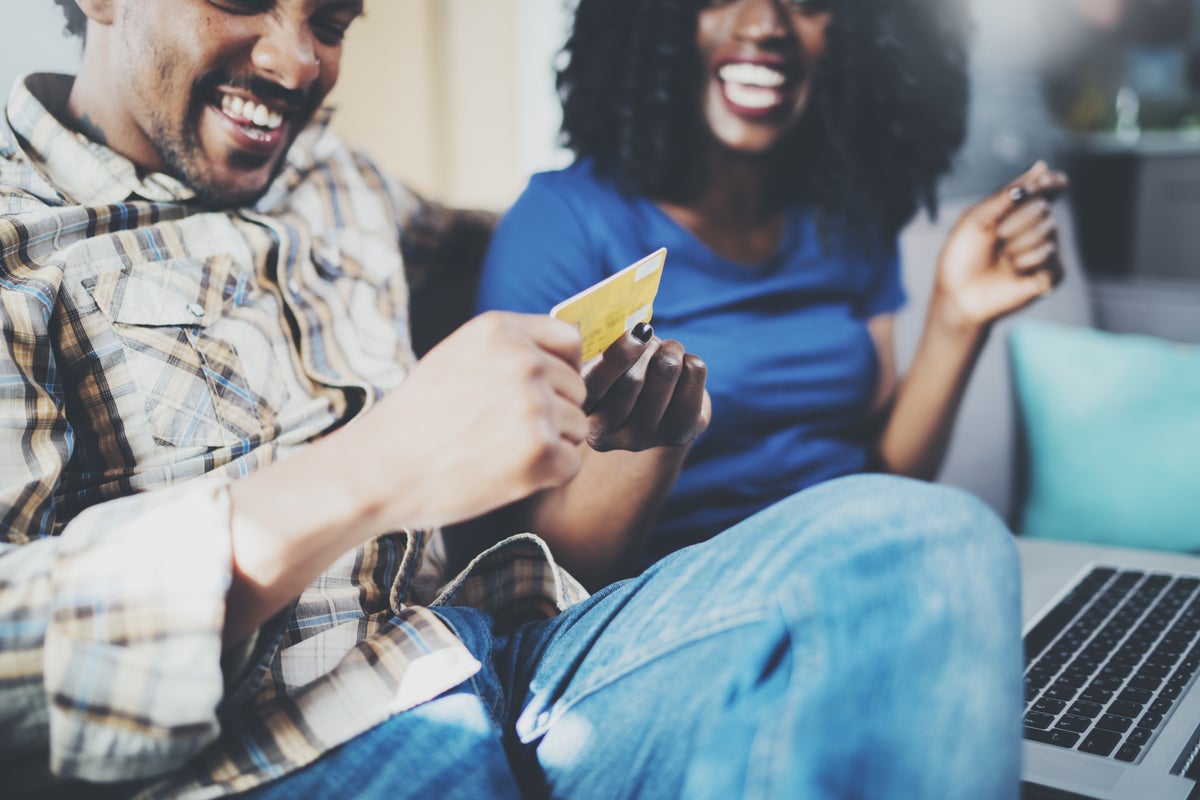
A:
(540, 254)
(885, 294)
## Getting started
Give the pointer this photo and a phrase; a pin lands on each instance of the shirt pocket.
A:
(174, 321)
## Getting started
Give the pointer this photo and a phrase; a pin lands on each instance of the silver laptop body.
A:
(1131, 736)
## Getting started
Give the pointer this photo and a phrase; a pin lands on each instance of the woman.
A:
(776, 148)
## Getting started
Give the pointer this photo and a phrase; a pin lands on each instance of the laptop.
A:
(1112, 696)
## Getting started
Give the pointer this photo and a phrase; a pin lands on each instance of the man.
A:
(222, 478)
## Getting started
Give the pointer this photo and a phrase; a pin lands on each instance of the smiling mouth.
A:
(250, 112)
(756, 87)
(254, 124)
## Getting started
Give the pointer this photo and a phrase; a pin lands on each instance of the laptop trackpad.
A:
(1082, 773)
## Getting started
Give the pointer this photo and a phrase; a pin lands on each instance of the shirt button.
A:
(196, 309)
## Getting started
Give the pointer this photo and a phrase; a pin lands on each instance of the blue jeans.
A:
(860, 639)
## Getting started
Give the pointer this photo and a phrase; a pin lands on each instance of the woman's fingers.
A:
(1023, 220)
(600, 374)
(1038, 183)
(686, 417)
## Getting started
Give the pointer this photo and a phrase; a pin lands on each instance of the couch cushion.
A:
(1112, 432)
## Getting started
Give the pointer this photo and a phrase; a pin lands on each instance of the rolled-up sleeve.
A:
(111, 635)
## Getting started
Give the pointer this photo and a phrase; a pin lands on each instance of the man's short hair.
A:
(76, 19)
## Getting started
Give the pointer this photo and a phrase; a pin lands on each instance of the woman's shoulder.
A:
(579, 182)
(580, 195)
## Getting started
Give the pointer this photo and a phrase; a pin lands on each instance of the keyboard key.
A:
(1036, 720)
(1094, 694)
(1139, 736)
(1125, 709)
(1070, 723)
(1140, 681)
(1058, 738)
(1150, 720)
(1128, 752)
(1113, 722)
(1048, 705)
(1139, 696)
(1062, 691)
(1151, 670)
(1080, 708)
(1100, 743)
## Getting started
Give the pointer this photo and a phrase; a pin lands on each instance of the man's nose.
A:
(761, 20)
(287, 53)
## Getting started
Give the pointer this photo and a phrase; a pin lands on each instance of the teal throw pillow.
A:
(1112, 434)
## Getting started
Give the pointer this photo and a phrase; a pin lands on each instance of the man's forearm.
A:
(290, 521)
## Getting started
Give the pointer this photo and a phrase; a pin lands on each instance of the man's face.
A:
(215, 91)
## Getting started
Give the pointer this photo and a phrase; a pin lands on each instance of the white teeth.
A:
(751, 96)
(249, 111)
(752, 75)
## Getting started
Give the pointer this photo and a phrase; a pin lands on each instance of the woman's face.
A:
(760, 62)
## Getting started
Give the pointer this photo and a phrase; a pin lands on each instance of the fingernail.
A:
(642, 332)
(1017, 194)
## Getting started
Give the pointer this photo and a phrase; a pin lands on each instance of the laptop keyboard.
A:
(1108, 664)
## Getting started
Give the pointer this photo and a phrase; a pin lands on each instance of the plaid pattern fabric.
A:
(153, 351)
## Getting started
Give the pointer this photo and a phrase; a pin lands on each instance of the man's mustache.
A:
(293, 99)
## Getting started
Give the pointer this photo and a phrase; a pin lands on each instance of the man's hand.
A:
(492, 414)
(644, 392)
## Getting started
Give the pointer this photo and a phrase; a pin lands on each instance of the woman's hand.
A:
(1002, 254)
(644, 392)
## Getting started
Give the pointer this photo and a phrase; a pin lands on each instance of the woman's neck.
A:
(735, 208)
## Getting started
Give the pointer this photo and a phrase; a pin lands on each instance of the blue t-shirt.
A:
(792, 368)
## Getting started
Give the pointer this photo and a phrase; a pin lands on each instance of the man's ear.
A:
(98, 11)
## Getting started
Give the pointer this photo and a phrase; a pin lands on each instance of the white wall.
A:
(34, 41)
(541, 31)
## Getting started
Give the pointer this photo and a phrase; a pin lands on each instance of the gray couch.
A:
(985, 449)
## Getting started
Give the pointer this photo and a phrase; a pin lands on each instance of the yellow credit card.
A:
(605, 311)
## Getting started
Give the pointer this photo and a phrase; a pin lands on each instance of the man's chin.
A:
(223, 197)
(239, 190)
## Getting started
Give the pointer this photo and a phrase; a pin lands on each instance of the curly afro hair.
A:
(886, 118)
(76, 20)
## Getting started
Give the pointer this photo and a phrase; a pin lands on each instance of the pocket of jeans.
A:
(169, 317)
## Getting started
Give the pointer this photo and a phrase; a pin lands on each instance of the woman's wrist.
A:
(949, 316)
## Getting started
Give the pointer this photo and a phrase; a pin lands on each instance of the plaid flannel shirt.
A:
(153, 351)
